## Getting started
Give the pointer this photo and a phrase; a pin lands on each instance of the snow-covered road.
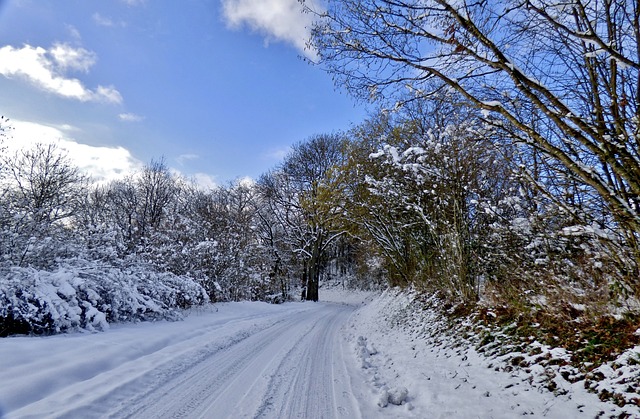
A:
(294, 360)
(247, 360)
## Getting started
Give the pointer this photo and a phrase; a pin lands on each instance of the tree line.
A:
(76, 253)
(428, 195)
(512, 147)
(502, 166)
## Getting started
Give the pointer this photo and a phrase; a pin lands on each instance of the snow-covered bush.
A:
(454, 206)
(88, 296)
(429, 180)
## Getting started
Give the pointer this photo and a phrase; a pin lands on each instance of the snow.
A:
(352, 355)
(229, 360)
(444, 377)
(87, 296)
(492, 103)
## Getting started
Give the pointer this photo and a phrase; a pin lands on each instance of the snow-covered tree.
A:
(307, 186)
(425, 179)
(64, 261)
(40, 195)
(558, 78)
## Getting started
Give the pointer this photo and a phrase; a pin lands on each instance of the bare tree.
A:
(5, 128)
(43, 189)
(157, 188)
(45, 183)
(139, 203)
(123, 210)
(562, 78)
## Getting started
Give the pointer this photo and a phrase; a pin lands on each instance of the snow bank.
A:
(417, 366)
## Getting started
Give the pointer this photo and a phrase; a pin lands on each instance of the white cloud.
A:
(106, 94)
(246, 181)
(282, 20)
(130, 117)
(74, 33)
(205, 181)
(46, 69)
(103, 164)
(102, 20)
(202, 181)
(68, 58)
(66, 127)
(278, 154)
(106, 21)
(181, 159)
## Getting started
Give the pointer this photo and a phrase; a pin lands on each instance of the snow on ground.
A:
(414, 374)
(352, 355)
(244, 360)
(338, 293)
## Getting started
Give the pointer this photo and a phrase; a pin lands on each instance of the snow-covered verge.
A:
(89, 297)
(418, 365)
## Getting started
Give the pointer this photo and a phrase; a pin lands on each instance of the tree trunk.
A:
(312, 282)
(313, 273)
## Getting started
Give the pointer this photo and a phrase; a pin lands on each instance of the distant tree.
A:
(123, 205)
(303, 196)
(157, 189)
(140, 203)
(281, 226)
(239, 269)
(45, 183)
(313, 169)
(95, 227)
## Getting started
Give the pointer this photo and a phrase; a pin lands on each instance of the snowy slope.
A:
(447, 378)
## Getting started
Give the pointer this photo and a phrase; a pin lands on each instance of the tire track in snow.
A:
(206, 385)
(287, 364)
(67, 363)
(299, 352)
(312, 380)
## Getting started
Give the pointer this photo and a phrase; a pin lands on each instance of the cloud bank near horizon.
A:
(103, 164)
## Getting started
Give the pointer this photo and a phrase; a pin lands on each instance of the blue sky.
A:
(217, 87)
